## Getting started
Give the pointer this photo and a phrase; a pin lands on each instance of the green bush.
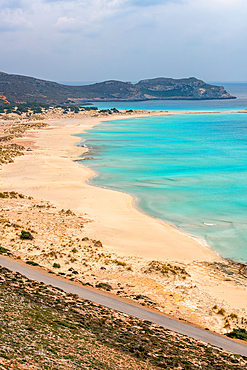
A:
(56, 265)
(105, 286)
(120, 263)
(32, 263)
(221, 312)
(3, 250)
(233, 316)
(26, 235)
(238, 334)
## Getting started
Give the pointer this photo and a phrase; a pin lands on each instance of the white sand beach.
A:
(50, 172)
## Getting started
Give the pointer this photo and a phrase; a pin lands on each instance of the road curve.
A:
(127, 308)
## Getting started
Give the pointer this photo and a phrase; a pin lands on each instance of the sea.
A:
(189, 170)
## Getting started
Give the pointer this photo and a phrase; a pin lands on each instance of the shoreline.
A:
(132, 240)
(198, 249)
(175, 238)
(199, 239)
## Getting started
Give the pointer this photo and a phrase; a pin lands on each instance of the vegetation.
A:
(89, 108)
(62, 239)
(32, 263)
(238, 334)
(26, 235)
(12, 194)
(67, 213)
(104, 286)
(166, 269)
(45, 328)
(3, 250)
(17, 88)
(30, 108)
(24, 108)
(8, 151)
(221, 312)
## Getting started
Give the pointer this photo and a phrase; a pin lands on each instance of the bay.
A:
(189, 170)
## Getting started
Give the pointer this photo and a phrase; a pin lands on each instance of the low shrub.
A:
(32, 263)
(3, 250)
(56, 265)
(221, 312)
(238, 334)
(26, 235)
(233, 316)
(104, 286)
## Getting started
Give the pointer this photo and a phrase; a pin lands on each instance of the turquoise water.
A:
(190, 170)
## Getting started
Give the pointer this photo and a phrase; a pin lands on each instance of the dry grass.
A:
(60, 245)
(45, 328)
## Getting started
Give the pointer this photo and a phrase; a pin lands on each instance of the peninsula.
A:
(23, 89)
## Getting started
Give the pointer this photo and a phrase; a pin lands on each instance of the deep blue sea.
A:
(189, 170)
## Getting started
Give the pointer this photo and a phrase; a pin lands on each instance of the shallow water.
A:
(190, 170)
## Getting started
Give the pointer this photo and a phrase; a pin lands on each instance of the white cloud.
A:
(11, 4)
(76, 25)
(144, 3)
(12, 21)
(132, 38)
(67, 24)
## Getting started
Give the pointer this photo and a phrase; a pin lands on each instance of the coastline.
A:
(123, 229)
(131, 239)
(170, 224)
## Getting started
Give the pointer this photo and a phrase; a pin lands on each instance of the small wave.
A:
(205, 223)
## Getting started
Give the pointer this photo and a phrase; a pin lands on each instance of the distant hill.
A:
(23, 89)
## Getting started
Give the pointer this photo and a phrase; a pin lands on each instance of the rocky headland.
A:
(23, 89)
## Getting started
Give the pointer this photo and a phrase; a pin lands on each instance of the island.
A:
(23, 89)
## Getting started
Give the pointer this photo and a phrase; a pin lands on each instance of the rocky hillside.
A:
(22, 89)
(45, 328)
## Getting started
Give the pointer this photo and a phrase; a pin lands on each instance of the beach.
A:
(50, 172)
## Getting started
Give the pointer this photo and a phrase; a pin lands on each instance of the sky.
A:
(128, 40)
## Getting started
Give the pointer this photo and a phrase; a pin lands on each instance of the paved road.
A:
(127, 308)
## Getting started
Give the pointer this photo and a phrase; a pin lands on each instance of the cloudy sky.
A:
(129, 40)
